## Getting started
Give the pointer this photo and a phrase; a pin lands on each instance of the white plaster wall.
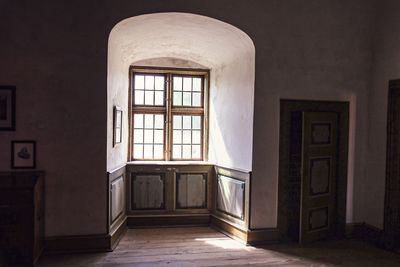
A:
(222, 48)
(386, 66)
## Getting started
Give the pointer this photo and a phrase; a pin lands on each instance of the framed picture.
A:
(117, 125)
(7, 108)
(23, 154)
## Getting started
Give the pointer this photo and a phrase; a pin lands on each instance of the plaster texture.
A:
(225, 50)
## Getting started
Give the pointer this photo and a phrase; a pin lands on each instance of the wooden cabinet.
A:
(21, 216)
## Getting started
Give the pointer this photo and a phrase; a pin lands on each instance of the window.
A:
(169, 114)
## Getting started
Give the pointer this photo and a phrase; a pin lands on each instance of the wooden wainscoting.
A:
(116, 204)
(169, 194)
(232, 193)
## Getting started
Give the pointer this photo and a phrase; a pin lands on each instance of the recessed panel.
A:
(318, 219)
(320, 171)
(321, 134)
(147, 191)
(117, 198)
(191, 191)
(230, 196)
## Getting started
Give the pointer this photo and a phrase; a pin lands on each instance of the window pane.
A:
(196, 99)
(177, 99)
(139, 82)
(148, 136)
(159, 82)
(149, 82)
(138, 151)
(187, 99)
(196, 84)
(159, 121)
(177, 151)
(149, 98)
(187, 84)
(186, 122)
(139, 97)
(177, 122)
(148, 151)
(196, 152)
(138, 136)
(186, 137)
(158, 152)
(138, 121)
(148, 142)
(177, 137)
(177, 83)
(186, 152)
(148, 121)
(196, 137)
(158, 136)
(196, 122)
(159, 98)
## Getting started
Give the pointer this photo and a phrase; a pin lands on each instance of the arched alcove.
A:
(225, 50)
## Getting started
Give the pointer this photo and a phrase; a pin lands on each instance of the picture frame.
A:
(117, 139)
(23, 154)
(7, 108)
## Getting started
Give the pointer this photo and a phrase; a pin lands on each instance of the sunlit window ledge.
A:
(170, 162)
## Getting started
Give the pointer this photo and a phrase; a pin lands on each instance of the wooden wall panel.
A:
(191, 190)
(148, 191)
(117, 197)
(230, 196)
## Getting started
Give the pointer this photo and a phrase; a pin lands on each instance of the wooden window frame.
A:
(169, 110)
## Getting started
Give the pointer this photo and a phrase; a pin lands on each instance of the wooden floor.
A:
(202, 246)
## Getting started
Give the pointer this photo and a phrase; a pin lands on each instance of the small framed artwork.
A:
(7, 108)
(23, 154)
(117, 125)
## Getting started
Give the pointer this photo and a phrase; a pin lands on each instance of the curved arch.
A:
(227, 51)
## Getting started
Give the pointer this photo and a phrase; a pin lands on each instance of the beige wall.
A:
(55, 52)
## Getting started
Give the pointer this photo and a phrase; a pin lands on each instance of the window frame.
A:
(169, 110)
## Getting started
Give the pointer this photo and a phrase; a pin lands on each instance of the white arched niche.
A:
(227, 51)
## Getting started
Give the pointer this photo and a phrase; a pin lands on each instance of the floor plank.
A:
(203, 246)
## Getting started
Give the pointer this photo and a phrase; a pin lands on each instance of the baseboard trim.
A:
(229, 229)
(118, 233)
(146, 221)
(365, 232)
(85, 243)
(77, 244)
(249, 237)
(263, 236)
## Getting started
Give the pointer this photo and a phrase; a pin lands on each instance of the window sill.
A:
(163, 162)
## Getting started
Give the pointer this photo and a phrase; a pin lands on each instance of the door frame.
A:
(287, 106)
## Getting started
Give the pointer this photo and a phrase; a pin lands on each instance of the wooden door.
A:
(392, 192)
(318, 175)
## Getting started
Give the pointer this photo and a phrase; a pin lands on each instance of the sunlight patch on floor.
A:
(225, 243)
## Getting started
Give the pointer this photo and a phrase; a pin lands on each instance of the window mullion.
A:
(168, 126)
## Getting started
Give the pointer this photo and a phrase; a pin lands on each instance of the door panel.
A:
(318, 175)
(392, 190)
